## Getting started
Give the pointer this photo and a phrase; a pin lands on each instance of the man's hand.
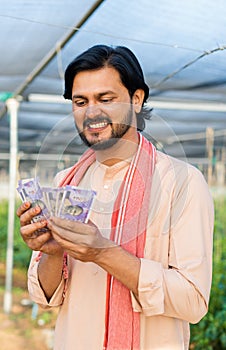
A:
(85, 243)
(81, 241)
(36, 235)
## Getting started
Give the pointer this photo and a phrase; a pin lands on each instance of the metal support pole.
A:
(209, 148)
(12, 106)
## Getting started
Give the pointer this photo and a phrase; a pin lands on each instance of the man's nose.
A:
(92, 111)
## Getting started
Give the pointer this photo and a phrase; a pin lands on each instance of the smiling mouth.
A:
(97, 124)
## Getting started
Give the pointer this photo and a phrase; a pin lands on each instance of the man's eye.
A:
(79, 103)
(106, 100)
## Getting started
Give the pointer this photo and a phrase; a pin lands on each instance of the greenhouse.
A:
(181, 46)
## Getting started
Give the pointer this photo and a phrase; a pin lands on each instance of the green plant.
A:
(21, 252)
(210, 333)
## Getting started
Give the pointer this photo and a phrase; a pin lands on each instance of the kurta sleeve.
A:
(35, 290)
(182, 288)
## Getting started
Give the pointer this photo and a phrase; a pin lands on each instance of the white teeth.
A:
(98, 125)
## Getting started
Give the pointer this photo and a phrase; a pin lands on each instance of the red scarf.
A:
(129, 222)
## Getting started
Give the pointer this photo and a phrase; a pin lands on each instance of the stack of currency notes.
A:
(69, 202)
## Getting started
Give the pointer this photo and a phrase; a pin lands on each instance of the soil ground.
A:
(18, 331)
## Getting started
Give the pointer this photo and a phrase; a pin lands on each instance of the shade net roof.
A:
(181, 46)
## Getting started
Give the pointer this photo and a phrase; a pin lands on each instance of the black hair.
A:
(121, 59)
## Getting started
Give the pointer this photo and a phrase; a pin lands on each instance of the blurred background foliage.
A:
(210, 332)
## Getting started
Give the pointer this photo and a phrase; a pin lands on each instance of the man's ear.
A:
(137, 100)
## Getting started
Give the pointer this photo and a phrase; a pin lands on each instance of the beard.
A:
(118, 130)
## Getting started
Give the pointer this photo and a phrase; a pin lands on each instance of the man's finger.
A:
(28, 215)
(27, 231)
(22, 208)
(74, 226)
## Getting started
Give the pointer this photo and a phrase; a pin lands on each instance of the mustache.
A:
(95, 120)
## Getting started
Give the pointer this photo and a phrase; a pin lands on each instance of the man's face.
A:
(102, 107)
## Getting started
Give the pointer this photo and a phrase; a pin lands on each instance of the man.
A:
(139, 271)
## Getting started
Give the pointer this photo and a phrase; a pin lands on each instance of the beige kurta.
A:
(175, 274)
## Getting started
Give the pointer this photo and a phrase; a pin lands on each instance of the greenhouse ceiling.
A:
(181, 46)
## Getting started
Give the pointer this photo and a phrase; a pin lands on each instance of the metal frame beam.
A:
(52, 53)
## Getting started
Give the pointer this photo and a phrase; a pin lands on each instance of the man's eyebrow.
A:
(78, 96)
(99, 94)
(109, 92)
